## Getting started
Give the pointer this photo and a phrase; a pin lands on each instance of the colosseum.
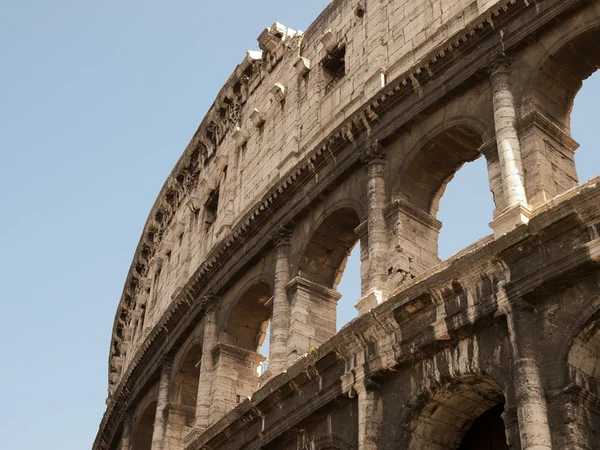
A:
(348, 133)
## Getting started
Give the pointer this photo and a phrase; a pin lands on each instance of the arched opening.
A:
(182, 411)
(584, 372)
(236, 357)
(142, 437)
(549, 152)
(417, 197)
(466, 208)
(313, 293)
(465, 414)
(248, 322)
(487, 432)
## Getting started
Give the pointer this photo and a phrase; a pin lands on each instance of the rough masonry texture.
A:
(348, 133)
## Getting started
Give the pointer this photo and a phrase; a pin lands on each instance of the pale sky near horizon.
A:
(97, 102)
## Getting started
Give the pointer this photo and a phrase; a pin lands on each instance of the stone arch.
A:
(186, 374)
(329, 442)
(235, 357)
(581, 350)
(184, 390)
(420, 182)
(564, 59)
(323, 256)
(578, 358)
(246, 324)
(561, 70)
(143, 422)
(434, 160)
(446, 414)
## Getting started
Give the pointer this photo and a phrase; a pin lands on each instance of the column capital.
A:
(211, 302)
(281, 236)
(499, 64)
(372, 153)
(128, 418)
(166, 363)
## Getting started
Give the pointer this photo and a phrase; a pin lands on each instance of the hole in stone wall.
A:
(334, 68)
(465, 208)
(583, 127)
(211, 207)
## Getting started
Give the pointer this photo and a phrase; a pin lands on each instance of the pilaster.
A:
(374, 157)
(517, 209)
(209, 340)
(280, 318)
(532, 414)
(162, 405)
(370, 414)
(127, 430)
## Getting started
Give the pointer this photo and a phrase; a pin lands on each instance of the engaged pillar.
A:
(516, 209)
(162, 405)
(374, 157)
(532, 413)
(369, 415)
(209, 341)
(280, 318)
(126, 435)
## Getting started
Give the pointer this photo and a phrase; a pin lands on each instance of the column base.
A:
(510, 219)
(374, 297)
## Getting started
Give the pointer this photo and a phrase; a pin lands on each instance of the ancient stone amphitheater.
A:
(346, 133)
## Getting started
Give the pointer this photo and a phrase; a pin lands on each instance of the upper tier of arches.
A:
(212, 197)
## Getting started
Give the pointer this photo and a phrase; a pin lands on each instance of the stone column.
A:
(509, 151)
(374, 157)
(280, 318)
(532, 414)
(369, 415)
(126, 435)
(162, 405)
(209, 341)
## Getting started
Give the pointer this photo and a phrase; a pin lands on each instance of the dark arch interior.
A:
(562, 74)
(454, 409)
(247, 325)
(142, 438)
(487, 432)
(423, 182)
(187, 377)
(325, 256)
(584, 369)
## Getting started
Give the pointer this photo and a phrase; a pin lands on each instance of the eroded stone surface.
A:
(348, 134)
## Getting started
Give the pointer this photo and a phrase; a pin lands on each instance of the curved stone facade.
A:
(348, 133)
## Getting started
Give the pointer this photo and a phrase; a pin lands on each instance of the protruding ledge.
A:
(510, 219)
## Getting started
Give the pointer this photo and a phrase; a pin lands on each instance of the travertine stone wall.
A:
(292, 167)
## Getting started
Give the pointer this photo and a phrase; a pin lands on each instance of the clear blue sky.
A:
(97, 102)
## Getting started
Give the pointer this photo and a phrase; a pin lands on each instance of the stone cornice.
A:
(395, 91)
